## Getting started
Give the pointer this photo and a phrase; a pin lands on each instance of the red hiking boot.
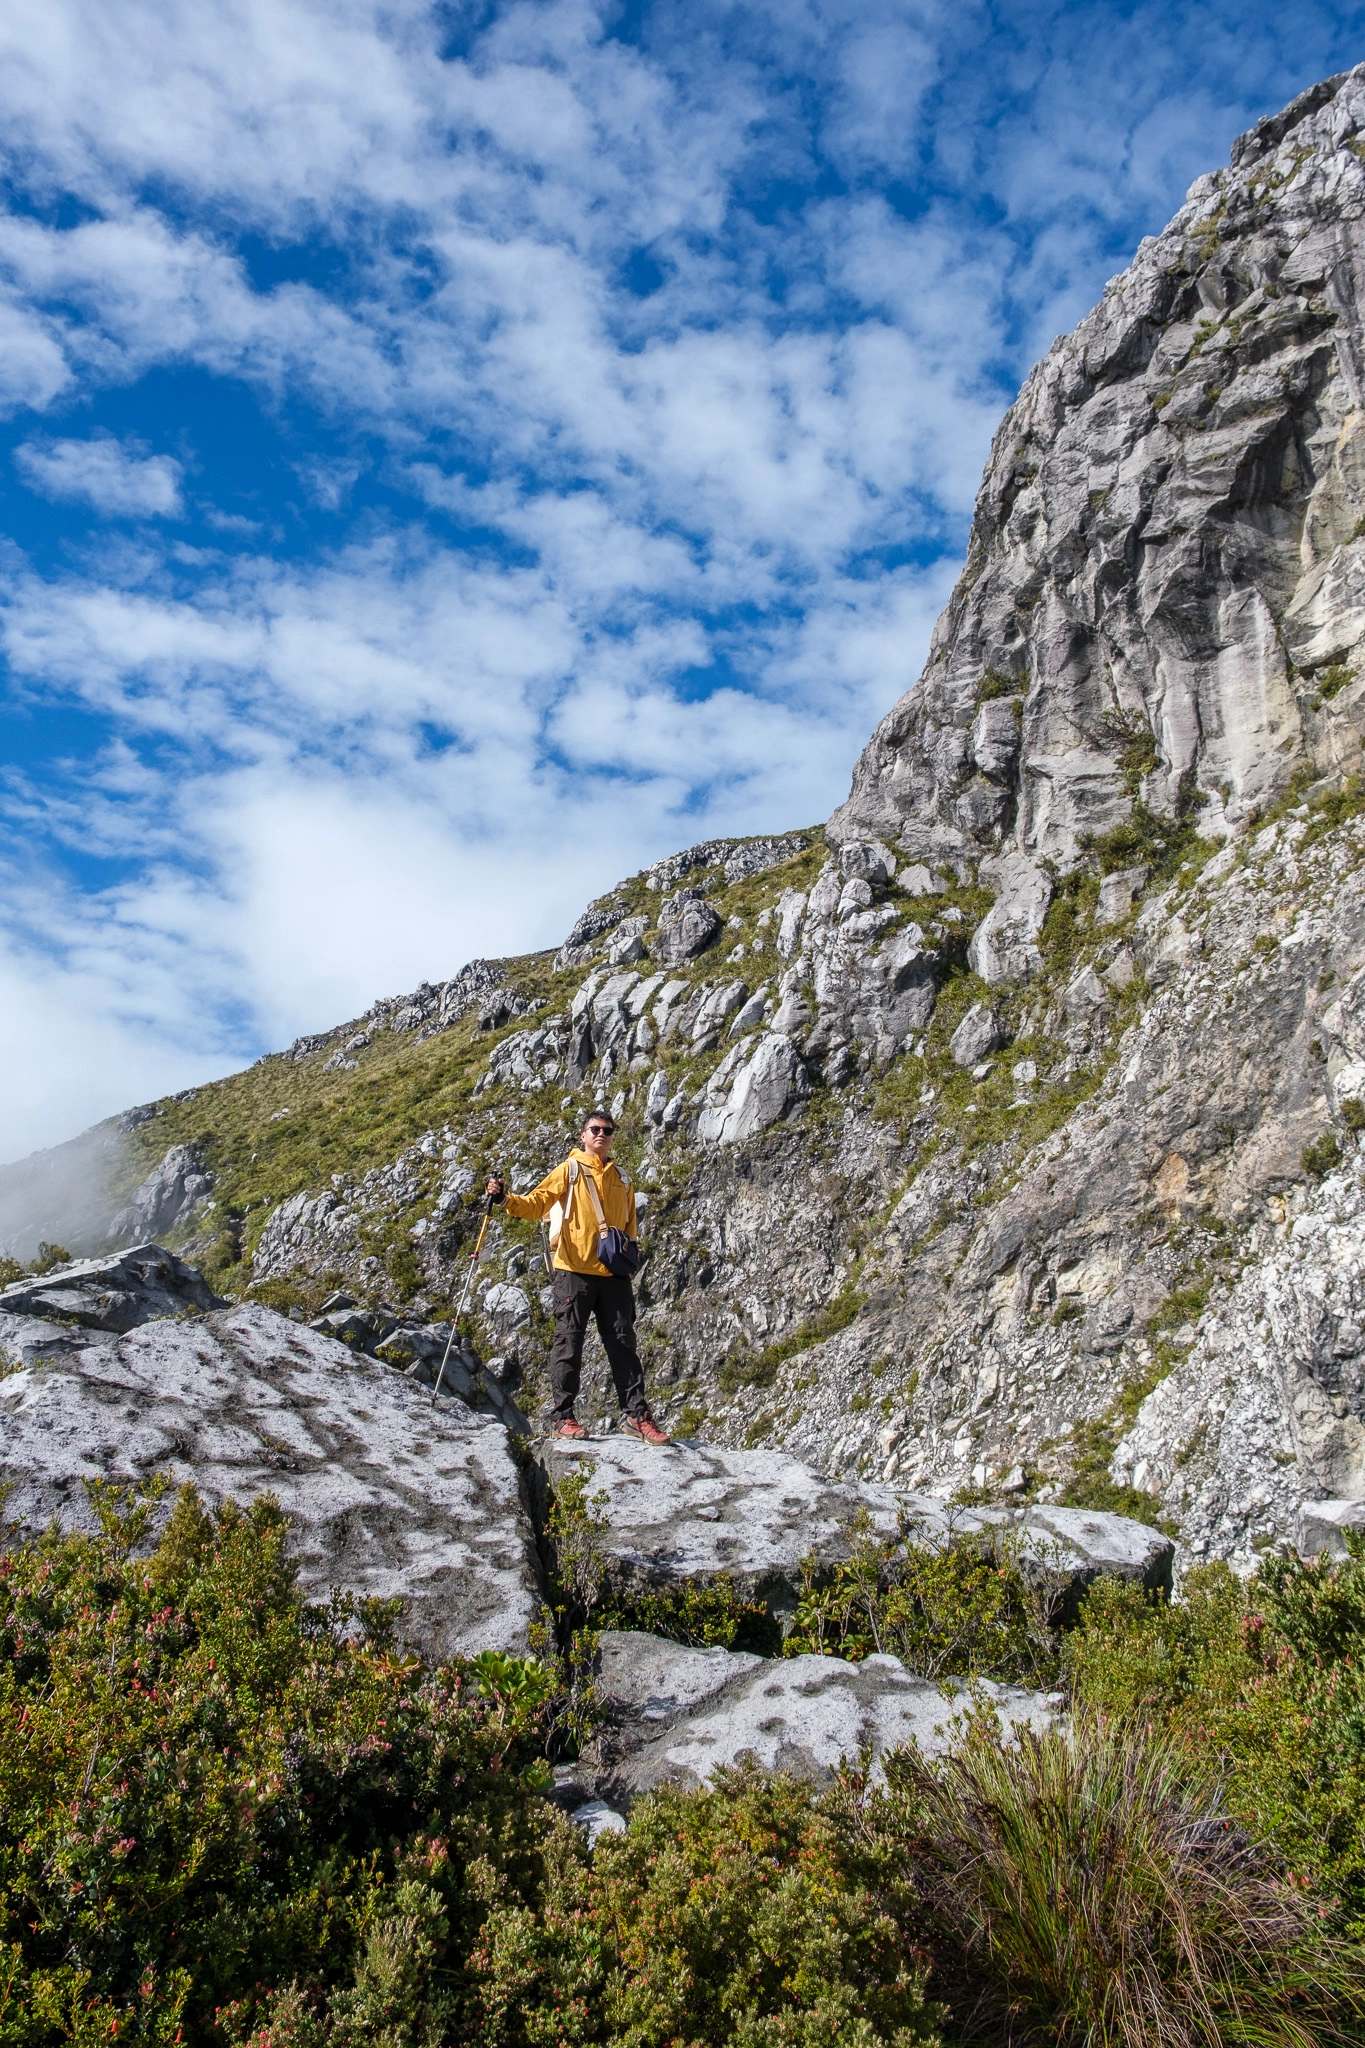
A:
(571, 1427)
(646, 1428)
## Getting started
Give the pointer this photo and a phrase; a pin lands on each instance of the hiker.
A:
(597, 1204)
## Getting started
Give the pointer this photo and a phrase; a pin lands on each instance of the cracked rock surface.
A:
(698, 1512)
(677, 1715)
(386, 1494)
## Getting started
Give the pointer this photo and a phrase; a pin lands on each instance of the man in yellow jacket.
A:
(583, 1286)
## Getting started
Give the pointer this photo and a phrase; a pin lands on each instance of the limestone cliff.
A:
(1003, 1137)
(1165, 575)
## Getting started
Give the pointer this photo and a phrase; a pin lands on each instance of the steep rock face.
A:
(1165, 564)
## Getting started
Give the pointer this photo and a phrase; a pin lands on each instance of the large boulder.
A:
(687, 926)
(113, 1294)
(675, 1715)
(1004, 946)
(387, 1493)
(1323, 1525)
(751, 1088)
(700, 1512)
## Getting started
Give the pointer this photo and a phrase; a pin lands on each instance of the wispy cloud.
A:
(116, 478)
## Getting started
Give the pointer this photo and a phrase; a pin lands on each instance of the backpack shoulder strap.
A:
(591, 1185)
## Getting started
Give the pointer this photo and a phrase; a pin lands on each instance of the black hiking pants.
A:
(612, 1301)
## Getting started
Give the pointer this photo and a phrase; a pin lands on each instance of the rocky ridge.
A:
(394, 1497)
(1002, 1142)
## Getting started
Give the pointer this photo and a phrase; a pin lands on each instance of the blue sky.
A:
(450, 456)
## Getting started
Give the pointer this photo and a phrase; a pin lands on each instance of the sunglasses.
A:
(601, 1130)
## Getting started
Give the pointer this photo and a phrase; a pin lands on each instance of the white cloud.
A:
(113, 477)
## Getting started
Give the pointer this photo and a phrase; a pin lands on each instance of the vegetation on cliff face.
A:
(232, 1821)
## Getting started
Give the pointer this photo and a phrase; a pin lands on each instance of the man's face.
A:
(597, 1136)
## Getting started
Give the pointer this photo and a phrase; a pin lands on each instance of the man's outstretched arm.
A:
(541, 1199)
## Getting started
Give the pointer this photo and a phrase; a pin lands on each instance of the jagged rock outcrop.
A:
(388, 1496)
(169, 1196)
(431, 1353)
(113, 1294)
(1166, 569)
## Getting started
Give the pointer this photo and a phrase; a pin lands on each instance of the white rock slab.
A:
(700, 1511)
(678, 1715)
(386, 1493)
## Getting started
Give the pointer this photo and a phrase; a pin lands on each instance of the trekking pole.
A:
(469, 1282)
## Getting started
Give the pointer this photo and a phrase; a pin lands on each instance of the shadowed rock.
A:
(115, 1294)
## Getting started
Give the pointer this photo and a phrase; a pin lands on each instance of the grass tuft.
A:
(1091, 1885)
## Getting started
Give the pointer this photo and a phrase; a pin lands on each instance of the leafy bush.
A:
(207, 1786)
(699, 1615)
(737, 1916)
(1264, 1680)
(964, 1612)
(48, 1258)
(1322, 1155)
(1148, 840)
(231, 1820)
(1089, 1886)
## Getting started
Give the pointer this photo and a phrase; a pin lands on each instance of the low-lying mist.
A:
(67, 1195)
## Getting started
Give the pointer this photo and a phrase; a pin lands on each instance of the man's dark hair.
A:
(602, 1115)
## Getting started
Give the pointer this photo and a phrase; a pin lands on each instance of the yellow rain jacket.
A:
(576, 1251)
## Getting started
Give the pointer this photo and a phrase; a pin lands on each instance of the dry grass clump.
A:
(1087, 1887)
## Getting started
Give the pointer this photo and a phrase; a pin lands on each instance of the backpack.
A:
(617, 1251)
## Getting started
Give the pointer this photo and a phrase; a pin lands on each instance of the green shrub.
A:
(1147, 840)
(697, 1614)
(1322, 1155)
(1130, 732)
(963, 1611)
(1264, 1681)
(1353, 1113)
(1088, 1886)
(736, 1917)
(207, 1786)
(49, 1256)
